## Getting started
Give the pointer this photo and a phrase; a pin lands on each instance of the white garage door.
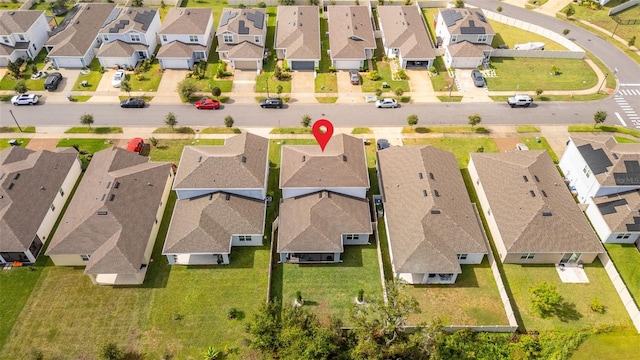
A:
(246, 65)
(348, 64)
(111, 62)
(4, 61)
(466, 63)
(68, 62)
(174, 63)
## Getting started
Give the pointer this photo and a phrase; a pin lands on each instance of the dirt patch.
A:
(506, 144)
(42, 144)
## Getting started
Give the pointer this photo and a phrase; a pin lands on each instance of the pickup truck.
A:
(520, 100)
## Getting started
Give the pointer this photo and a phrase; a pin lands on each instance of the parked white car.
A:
(25, 99)
(387, 103)
(117, 78)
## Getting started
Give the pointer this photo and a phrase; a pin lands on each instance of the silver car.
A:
(25, 99)
(387, 103)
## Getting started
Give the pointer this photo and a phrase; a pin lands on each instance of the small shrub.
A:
(261, 4)
(539, 92)
(402, 75)
(398, 92)
(154, 141)
(378, 92)
(140, 77)
(373, 75)
(597, 306)
(178, 316)
(499, 9)
(332, 69)
(361, 295)
(566, 32)
(228, 121)
(632, 41)
(242, 6)
(232, 313)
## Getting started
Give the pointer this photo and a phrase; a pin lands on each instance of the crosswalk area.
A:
(625, 97)
(628, 110)
(629, 92)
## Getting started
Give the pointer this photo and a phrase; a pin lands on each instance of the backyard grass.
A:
(384, 70)
(15, 129)
(92, 77)
(326, 81)
(150, 79)
(620, 345)
(171, 149)
(460, 147)
(574, 314)
(94, 130)
(266, 78)
(604, 128)
(472, 300)
(529, 74)
(626, 259)
(533, 144)
(527, 129)
(46, 6)
(10, 5)
(220, 130)
(8, 82)
(22, 142)
(511, 36)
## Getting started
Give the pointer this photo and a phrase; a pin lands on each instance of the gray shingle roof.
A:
(404, 28)
(186, 21)
(466, 21)
(240, 164)
(298, 31)
(316, 222)
(29, 182)
(18, 21)
(80, 33)
(350, 32)
(621, 211)
(613, 164)
(342, 164)
(112, 212)
(243, 21)
(205, 224)
(427, 232)
(534, 210)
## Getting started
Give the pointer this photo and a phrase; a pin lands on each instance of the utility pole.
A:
(14, 119)
(603, 81)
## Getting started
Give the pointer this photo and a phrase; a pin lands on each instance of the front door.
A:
(570, 258)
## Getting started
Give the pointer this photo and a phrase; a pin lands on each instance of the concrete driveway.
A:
(303, 88)
(170, 79)
(420, 85)
(348, 93)
(470, 93)
(105, 82)
(244, 85)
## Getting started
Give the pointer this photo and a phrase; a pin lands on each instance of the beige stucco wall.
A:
(68, 260)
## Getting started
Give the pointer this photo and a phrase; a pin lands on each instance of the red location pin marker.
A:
(322, 137)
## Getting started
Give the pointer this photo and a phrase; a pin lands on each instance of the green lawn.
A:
(94, 130)
(626, 259)
(604, 128)
(90, 145)
(533, 144)
(220, 130)
(46, 6)
(623, 140)
(460, 147)
(92, 77)
(210, 80)
(384, 69)
(511, 36)
(620, 345)
(326, 81)
(15, 129)
(472, 300)
(527, 129)
(8, 82)
(150, 79)
(22, 141)
(529, 74)
(171, 149)
(575, 313)
(270, 62)
(441, 81)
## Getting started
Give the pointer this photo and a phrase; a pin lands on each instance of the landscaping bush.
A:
(373, 75)
(402, 75)
(597, 306)
(232, 313)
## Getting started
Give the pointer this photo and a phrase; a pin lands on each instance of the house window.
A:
(462, 256)
(623, 236)
(193, 38)
(256, 39)
(5, 39)
(352, 237)
(527, 256)
(482, 38)
(85, 257)
(105, 37)
(454, 38)
(21, 37)
(135, 37)
(53, 207)
(61, 192)
(244, 237)
(164, 38)
(586, 171)
(198, 55)
(227, 38)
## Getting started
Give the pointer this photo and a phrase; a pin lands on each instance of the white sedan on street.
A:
(25, 99)
(387, 103)
(117, 78)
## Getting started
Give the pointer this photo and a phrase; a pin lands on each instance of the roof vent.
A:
(344, 158)
(116, 185)
(16, 176)
(533, 194)
(546, 213)
(108, 184)
(425, 193)
(536, 177)
(78, 21)
(210, 196)
(112, 197)
(10, 186)
(227, 197)
(436, 193)
(544, 193)
(525, 178)
(149, 184)
(304, 158)
(420, 175)
(435, 212)
(102, 212)
(431, 176)
(103, 196)
(615, 156)
(200, 159)
(243, 159)
(42, 188)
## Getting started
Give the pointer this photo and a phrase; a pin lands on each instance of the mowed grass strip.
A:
(626, 259)
(529, 74)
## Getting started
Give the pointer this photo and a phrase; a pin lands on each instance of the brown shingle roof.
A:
(350, 32)
(466, 21)
(342, 164)
(534, 210)
(240, 164)
(243, 21)
(426, 232)
(29, 182)
(316, 222)
(243, 50)
(112, 212)
(80, 33)
(606, 158)
(119, 49)
(178, 49)
(18, 21)
(187, 21)
(404, 28)
(298, 31)
(130, 18)
(467, 49)
(206, 224)
(620, 211)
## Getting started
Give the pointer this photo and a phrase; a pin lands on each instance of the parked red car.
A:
(206, 103)
(136, 145)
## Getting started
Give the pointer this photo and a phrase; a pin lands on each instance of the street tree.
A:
(474, 119)
(186, 89)
(86, 119)
(412, 120)
(21, 87)
(599, 117)
(171, 120)
(14, 67)
(306, 120)
(569, 11)
(459, 3)
(228, 121)
(126, 87)
(216, 92)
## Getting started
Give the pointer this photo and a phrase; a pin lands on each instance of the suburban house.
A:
(129, 36)
(324, 204)
(34, 186)
(467, 29)
(185, 36)
(22, 34)
(431, 225)
(351, 38)
(221, 201)
(111, 224)
(242, 36)
(405, 36)
(605, 176)
(73, 43)
(531, 213)
(298, 36)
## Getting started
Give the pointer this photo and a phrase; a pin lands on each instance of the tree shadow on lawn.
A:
(567, 312)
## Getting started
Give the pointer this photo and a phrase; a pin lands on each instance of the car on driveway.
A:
(521, 147)
(354, 77)
(271, 103)
(136, 145)
(520, 100)
(478, 79)
(387, 103)
(132, 103)
(25, 99)
(52, 81)
(382, 144)
(206, 103)
(117, 78)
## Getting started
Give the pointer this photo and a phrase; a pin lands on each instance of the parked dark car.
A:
(52, 81)
(478, 79)
(383, 144)
(271, 103)
(132, 103)
(355, 77)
